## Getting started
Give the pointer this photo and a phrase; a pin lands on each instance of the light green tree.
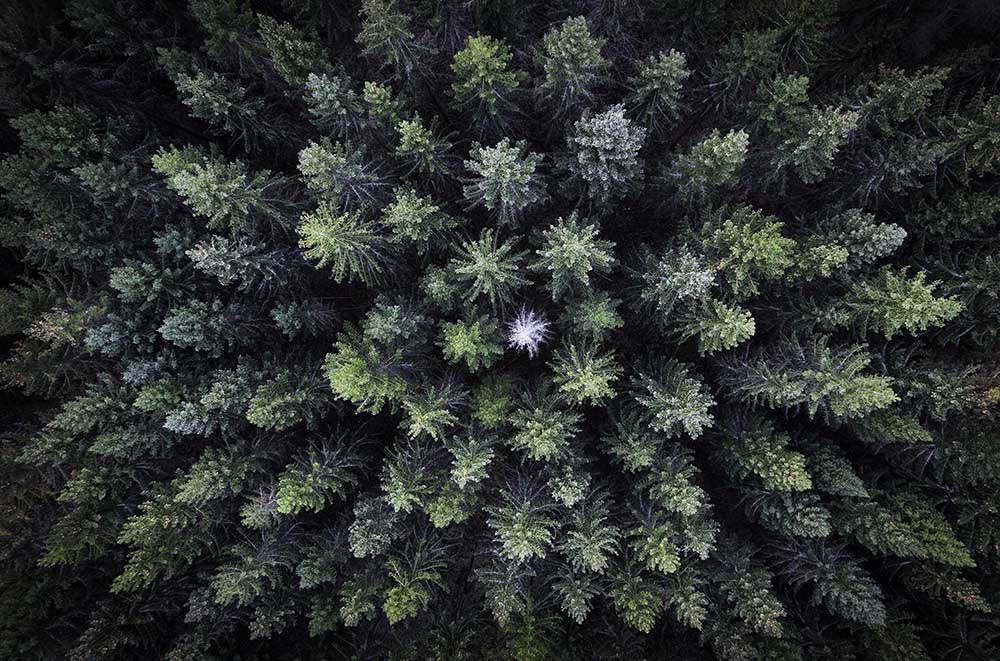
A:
(673, 398)
(572, 61)
(712, 163)
(523, 524)
(293, 54)
(488, 268)
(718, 326)
(655, 89)
(477, 342)
(223, 193)
(348, 243)
(890, 302)
(746, 247)
(812, 375)
(570, 253)
(483, 80)
(583, 373)
(416, 219)
(421, 147)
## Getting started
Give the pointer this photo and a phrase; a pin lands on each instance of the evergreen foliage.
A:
(506, 179)
(499, 330)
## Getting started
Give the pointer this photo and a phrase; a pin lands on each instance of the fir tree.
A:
(476, 343)
(386, 35)
(483, 80)
(506, 181)
(347, 243)
(569, 254)
(488, 268)
(890, 303)
(674, 399)
(572, 62)
(418, 145)
(222, 193)
(415, 219)
(605, 153)
(584, 374)
(656, 88)
(293, 54)
(340, 173)
(714, 162)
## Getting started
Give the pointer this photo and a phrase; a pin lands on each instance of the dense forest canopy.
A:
(500, 329)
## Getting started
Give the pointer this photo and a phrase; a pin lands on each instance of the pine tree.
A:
(418, 145)
(411, 577)
(811, 375)
(477, 342)
(570, 252)
(223, 193)
(347, 242)
(605, 153)
(358, 372)
(333, 104)
(210, 95)
(746, 247)
(506, 180)
(543, 429)
(591, 539)
(385, 34)
(293, 54)
(315, 478)
(340, 173)
(572, 61)
(592, 317)
(719, 326)
(281, 403)
(483, 80)
(415, 219)
(522, 523)
(656, 88)
(674, 399)
(760, 451)
(584, 374)
(890, 303)
(712, 163)
(488, 268)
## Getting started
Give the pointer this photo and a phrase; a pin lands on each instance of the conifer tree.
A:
(714, 162)
(570, 252)
(386, 35)
(415, 219)
(656, 88)
(292, 53)
(572, 62)
(584, 374)
(488, 268)
(506, 181)
(347, 243)
(605, 153)
(340, 173)
(673, 398)
(890, 303)
(222, 193)
(476, 343)
(483, 80)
